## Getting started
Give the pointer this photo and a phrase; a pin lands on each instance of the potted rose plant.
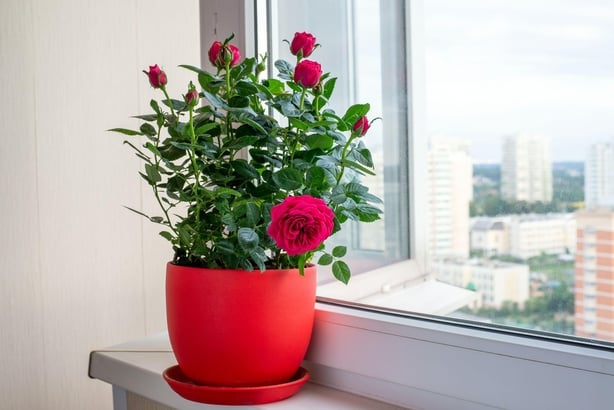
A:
(252, 175)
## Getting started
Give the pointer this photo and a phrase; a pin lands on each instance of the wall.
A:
(77, 270)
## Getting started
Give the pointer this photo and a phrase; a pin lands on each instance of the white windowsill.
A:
(137, 367)
(404, 361)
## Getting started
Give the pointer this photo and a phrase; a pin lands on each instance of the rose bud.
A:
(361, 126)
(157, 77)
(307, 73)
(301, 223)
(218, 53)
(191, 98)
(302, 44)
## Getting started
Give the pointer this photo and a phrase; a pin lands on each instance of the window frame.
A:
(424, 362)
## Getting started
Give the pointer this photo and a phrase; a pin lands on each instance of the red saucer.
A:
(233, 395)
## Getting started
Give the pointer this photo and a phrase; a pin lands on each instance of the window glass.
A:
(519, 120)
(518, 187)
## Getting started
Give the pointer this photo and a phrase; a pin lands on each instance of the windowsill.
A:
(137, 367)
(401, 360)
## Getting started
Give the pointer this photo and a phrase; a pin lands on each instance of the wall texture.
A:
(77, 270)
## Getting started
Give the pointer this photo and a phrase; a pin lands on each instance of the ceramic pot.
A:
(237, 328)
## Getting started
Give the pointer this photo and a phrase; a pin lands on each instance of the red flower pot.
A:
(237, 328)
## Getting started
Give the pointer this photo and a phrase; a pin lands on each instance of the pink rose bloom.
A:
(307, 73)
(300, 224)
(303, 43)
(361, 126)
(217, 54)
(157, 77)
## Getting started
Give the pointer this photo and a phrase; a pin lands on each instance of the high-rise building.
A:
(594, 279)
(450, 191)
(526, 169)
(599, 175)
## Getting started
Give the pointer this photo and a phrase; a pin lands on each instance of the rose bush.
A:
(255, 173)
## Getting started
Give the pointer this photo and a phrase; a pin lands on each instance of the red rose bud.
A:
(302, 43)
(361, 126)
(300, 224)
(157, 77)
(191, 98)
(307, 73)
(218, 54)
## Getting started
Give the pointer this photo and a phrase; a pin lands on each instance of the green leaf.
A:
(288, 179)
(339, 251)
(259, 258)
(325, 259)
(167, 235)
(146, 117)
(286, 70)
(274, 86)
(301, 125)
(215, 100)
(203, 129)
(315, 177)
(153, 176)
(244, 88)
(154, 106)
(197, 70)
(148, 129)
(320, 141)
(356, 166)
(329, 86)
(254, 125)
(238, 102)
(243, 168)
(126, 131)
(252, 213)
(341, 271)
(226, 192)
(248, 239)
(287, 108)
(328, 162)
(355, 112)
(225, 246)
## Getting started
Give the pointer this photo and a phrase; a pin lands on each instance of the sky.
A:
(497, 67)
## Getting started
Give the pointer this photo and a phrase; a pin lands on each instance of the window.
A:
(424, 361)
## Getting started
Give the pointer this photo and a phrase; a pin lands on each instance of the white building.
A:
(599, 176)
(490, 236)
(450, 191)
(524, 236)
(526, 169)
(496, 281)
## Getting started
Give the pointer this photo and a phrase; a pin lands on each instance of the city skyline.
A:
(543, 68)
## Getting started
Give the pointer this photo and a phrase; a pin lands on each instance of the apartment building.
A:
(599, 175)
(449, 194)
(594, 274)
(526, 168)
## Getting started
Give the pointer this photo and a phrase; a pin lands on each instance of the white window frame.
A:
(426, 362)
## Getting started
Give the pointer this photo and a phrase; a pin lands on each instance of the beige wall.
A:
(77, 270)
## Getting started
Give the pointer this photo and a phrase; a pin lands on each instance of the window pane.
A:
(519, 113)
(516, 98)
